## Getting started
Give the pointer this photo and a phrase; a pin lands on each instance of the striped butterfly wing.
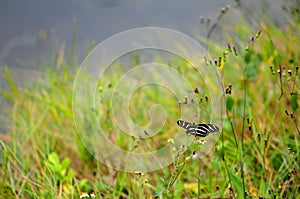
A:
(184, 124)
(201, 130)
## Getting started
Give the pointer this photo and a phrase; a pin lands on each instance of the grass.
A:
(257, 154)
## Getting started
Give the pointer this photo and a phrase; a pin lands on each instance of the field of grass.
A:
(256, 155)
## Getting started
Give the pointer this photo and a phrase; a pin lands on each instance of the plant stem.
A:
(243, 130)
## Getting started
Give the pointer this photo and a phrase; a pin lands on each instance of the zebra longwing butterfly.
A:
(201, 130)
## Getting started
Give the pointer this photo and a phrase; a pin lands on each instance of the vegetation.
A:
(256, 156)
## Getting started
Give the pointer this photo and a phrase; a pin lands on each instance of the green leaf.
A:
(70, 175)
(62, 173)
(165, 183)
(237, 184)
(65, 163)
(248, 56)
(53, 158)
(251, 72)
(294, 101)
(11, 82)
(84, 184)
(229, 102)
(159, 192)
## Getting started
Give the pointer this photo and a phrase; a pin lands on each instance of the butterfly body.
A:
(201, 130)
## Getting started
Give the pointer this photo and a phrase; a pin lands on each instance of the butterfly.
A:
(201, 130)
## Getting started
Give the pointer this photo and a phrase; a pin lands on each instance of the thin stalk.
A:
(243, 129)
(177, 175)
(222, 133)
(232, 129)
(199, 183)
(222, 13)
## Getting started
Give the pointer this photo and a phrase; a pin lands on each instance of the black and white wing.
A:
(201, 130)
(184, 124)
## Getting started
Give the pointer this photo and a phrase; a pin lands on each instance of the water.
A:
(29, 28)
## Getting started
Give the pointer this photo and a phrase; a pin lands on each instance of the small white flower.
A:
(201, 141)
(84, 195)
(171, 140)
(196, 155)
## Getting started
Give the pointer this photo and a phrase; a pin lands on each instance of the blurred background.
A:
(30, 29)
(33, 30)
